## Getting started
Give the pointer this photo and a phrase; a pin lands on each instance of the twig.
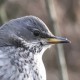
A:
(59, 48)
(3, 14)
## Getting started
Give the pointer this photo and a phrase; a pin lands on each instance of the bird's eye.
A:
(36, 32)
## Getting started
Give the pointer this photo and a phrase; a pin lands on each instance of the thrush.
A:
(22, 44)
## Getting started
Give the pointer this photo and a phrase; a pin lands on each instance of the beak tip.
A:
(68, 41)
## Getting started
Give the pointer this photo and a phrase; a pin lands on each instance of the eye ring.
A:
(36, 32)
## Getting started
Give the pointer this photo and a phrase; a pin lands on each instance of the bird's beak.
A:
(56, 40)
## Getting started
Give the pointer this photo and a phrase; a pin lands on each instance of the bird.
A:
(22, 44)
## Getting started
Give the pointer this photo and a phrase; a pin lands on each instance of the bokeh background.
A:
(66, 17)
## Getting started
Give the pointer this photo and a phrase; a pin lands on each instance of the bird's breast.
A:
(31, 70)
(21, 64)
(31, 66)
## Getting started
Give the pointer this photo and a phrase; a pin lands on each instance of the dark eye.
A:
(36, 32)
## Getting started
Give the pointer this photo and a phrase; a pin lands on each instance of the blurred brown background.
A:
(67, 17)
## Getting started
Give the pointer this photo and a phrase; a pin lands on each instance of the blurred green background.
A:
(66, 15)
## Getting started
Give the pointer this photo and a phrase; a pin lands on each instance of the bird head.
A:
(30, 29)
(34, 30)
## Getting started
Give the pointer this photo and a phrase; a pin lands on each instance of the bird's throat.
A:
(29, 63)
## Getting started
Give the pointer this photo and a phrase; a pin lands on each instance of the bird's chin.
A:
(42, 43)
(45, 44)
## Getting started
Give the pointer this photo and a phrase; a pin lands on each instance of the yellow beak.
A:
(56, 40)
